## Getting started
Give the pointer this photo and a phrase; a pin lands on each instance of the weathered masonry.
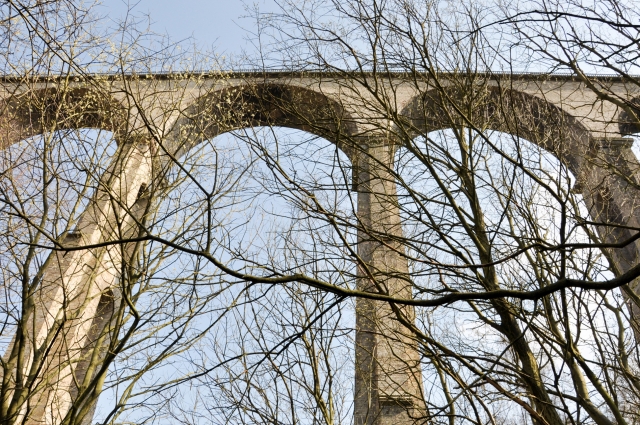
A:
(156, 118)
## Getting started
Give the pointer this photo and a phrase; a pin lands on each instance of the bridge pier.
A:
(68, 311)
(388, 381)
(611, 190)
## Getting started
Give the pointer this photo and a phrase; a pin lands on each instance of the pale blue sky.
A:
(211, 23)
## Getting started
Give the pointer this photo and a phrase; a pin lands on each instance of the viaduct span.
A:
(158, 117)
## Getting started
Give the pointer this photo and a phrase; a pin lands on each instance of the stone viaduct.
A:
(164, 115)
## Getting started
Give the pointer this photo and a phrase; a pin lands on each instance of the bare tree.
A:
(460, 238)
(82, 308)
(584, 40)
(510, 270)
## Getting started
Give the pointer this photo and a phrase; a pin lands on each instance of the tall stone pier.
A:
(388, 387)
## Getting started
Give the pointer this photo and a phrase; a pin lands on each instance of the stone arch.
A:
(606, 175)
(508, 111)
(592, 162)
(35, 112)
(262, 104)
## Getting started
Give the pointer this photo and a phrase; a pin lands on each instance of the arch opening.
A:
(267, 201)
(490, 211)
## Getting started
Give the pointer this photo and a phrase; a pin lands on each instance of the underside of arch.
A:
(505, 110)
(266, 104)
(46, 110)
